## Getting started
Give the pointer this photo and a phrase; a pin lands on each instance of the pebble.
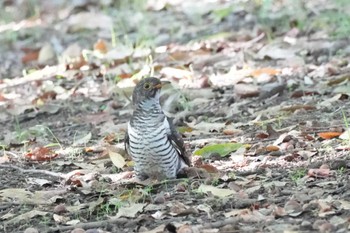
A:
(78, 230)
(159, 199)
(59, 209)
(31, 230)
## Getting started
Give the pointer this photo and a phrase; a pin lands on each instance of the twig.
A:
(90, 225)
(253, 41)
(232, 220)
(34, 171)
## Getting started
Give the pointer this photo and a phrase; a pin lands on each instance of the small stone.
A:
(306, 223)
(59, 209)
(181, 187)
(78, 230)
(31, 230)
(143, 229)
(159, 199)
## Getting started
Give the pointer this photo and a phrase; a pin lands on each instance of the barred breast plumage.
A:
(152, 141)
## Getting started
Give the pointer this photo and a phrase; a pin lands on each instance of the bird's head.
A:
(147, 89)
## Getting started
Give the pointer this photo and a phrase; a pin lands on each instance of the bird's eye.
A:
(147, 86)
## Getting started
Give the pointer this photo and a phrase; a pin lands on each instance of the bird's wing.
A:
(126, 142)
(177, 141)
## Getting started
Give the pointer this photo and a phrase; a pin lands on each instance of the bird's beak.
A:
(159, 86)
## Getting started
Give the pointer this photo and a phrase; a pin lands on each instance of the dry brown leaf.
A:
(246, 90)
(272, 148)
(176, 73)
(101, 46)
(339, 79)
(268, 71)
(297, 107)
(262, 135)
(130, 211)
(319, 173)
(209, 168)
(329, 135)
(30, 56)
(41, 154)
(298, 94)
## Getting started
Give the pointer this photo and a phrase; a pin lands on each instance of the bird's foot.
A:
(193, 172)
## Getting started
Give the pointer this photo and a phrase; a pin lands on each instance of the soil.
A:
(287, 177)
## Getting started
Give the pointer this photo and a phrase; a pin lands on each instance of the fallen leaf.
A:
(300, 93)
(293, 208)
(38, 181)
(219, 192)
(22, 196)
(26, 216)
(46, 54)
(207, 127)
(130, 211)
(158, 215)
(117, 159)
(279, 211)
(209, 168)
(319, 172)
(176, 73)
(339, 79)
(276, 51)
(30, 56)
(246, 90)
(222, 149)
(179, 209)
(83, 140)
(329, 135)
(89, 20)
(41, 154)
(101, 46)
(60, 219)
(271, 89)
(269, 71)
(272, 148)
(297, 107)
(234, 212)
(345, 205)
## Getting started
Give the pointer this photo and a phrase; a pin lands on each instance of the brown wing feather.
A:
(126, 142)
(177, 141)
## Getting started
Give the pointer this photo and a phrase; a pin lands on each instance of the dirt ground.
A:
(260, 93)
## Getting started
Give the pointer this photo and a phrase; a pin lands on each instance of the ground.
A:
(259, 91)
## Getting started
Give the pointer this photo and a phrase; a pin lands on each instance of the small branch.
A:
(90, 225)
(229, 221)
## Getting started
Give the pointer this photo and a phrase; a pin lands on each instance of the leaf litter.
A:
(263, 103)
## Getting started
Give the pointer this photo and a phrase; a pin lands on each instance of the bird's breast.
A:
(146, 135)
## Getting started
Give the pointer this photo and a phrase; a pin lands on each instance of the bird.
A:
(151, 139)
